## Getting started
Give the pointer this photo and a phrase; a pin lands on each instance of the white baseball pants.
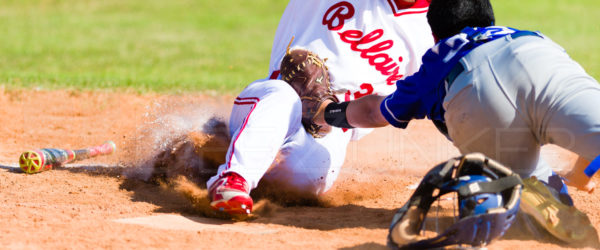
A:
(268, 140)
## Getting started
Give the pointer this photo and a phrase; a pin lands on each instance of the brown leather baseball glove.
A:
(308, 75)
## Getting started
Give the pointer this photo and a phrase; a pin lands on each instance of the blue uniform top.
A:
(422, 94)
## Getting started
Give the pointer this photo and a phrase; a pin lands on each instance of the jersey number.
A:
(365, 90)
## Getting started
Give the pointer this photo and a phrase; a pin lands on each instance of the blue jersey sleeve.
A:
(422, 94)
(409, 101)
(419, 95)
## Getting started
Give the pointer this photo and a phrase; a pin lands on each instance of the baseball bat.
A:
(35, 161)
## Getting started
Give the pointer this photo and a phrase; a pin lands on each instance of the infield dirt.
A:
(91, 204)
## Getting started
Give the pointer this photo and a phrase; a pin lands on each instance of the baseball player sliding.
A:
(369, 45)
(502, 92)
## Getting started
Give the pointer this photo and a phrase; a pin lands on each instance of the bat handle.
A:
(107, 148)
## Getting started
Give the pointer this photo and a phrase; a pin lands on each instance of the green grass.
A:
(147, 45)
(575, 25)
(201, 45)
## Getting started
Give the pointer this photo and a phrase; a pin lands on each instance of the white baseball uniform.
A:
(368, 45)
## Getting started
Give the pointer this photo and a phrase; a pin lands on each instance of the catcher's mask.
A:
(488, 201)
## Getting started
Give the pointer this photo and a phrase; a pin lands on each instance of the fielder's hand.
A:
(577, 178)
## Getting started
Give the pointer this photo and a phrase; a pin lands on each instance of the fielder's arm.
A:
(361, 113)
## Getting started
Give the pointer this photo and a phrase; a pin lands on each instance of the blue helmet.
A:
(488, 201)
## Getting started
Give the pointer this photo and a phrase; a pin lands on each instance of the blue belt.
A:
(459, 68)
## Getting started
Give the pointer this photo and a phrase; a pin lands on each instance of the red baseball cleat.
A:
(230, 194)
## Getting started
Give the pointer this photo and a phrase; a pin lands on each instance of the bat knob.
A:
(112, 145)
(32, 161)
